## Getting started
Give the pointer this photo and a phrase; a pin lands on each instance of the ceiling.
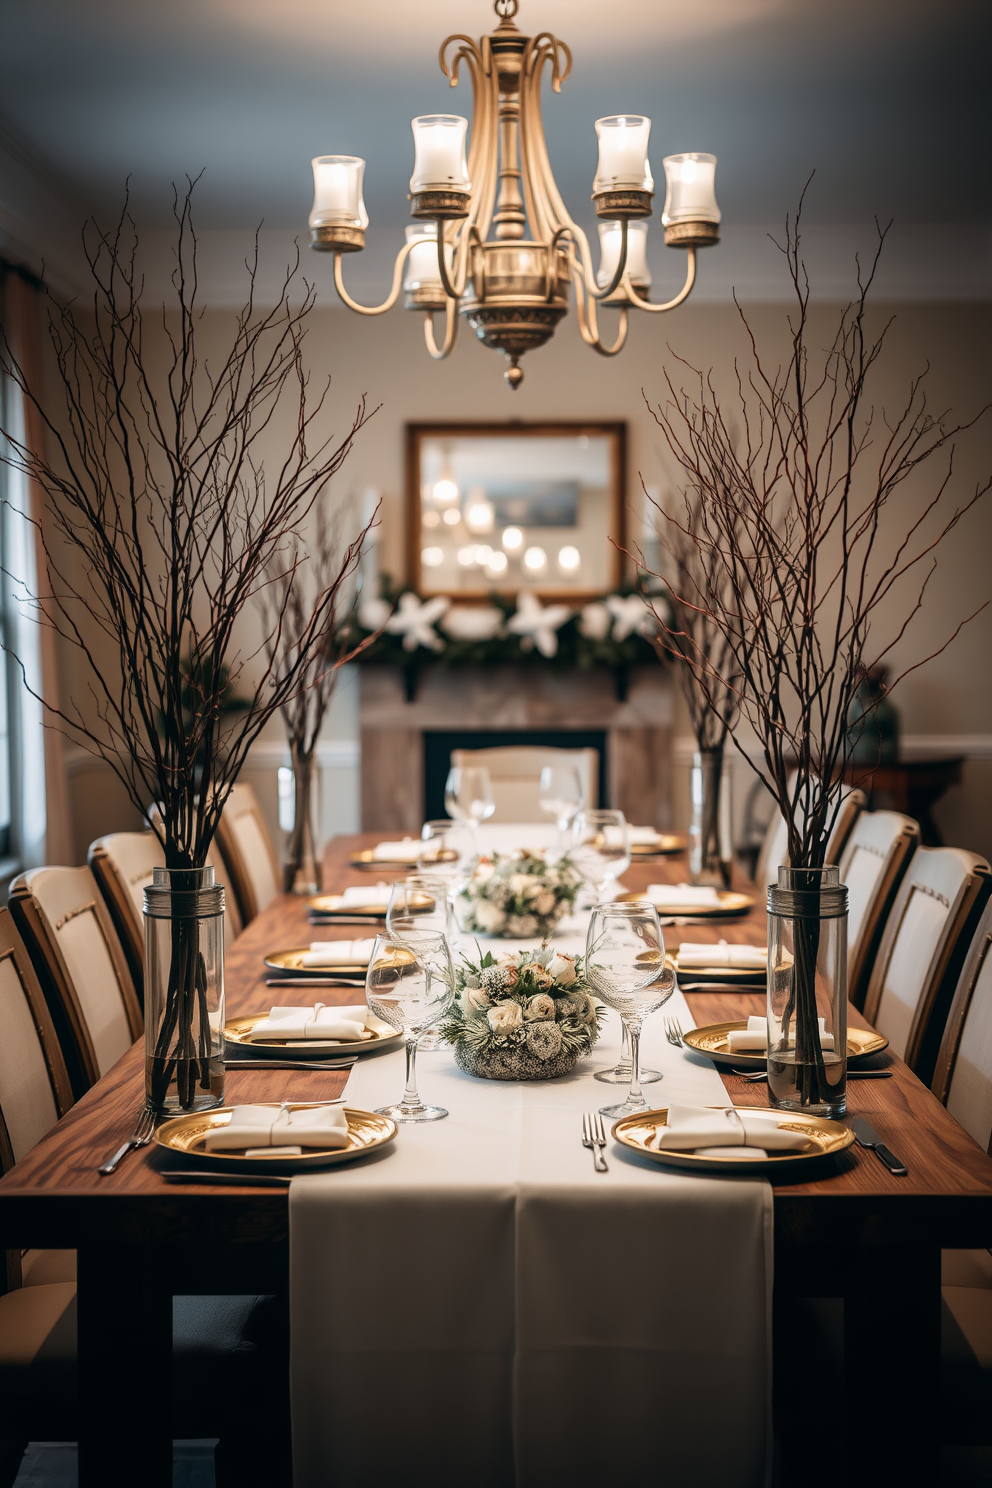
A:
(886, 99)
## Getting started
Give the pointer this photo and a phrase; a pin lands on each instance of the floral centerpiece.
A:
(519, 894)
(523, 1016)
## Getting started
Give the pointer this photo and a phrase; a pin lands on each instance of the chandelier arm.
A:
(469, 49)
(683, 294)
(394, 293)
(451, 323)
(462, 245)
(619, 343)
(543, 199)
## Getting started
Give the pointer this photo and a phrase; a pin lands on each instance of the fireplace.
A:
(406, 743)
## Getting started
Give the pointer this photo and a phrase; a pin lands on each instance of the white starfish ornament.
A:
(630, 615)
(415, 619)
(538, 624)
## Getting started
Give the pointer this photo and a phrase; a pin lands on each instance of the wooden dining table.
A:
(853, 1232)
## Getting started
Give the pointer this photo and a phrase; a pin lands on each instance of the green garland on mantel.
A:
(593, 635)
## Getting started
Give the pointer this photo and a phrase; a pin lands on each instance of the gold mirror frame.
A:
(614, 432)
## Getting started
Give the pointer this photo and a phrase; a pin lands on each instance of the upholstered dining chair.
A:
(775, 848)
(64, 923)
(233, 1341)
(123, 865)
(515, 771)
(249, 852)
(922, 949)
(872, 865)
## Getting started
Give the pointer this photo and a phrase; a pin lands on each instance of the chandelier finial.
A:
(506, 10)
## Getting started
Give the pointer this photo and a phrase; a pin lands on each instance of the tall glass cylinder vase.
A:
(301, 871)
(184, 991)
(807, 991)
(710, 826)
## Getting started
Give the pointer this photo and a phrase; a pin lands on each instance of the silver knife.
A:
(868, 1137)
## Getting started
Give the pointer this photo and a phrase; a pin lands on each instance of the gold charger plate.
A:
(236, 1031)
(747, 976)
(731, 903)
(367, 859)
(826, 1138)
(184, 1136)
(336, 904)
(292, 961)
(712, 1041)
(668, 842)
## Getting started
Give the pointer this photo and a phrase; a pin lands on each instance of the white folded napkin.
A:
(338, 953)
(407, 851)
(274, 1126)
(680, 894)
(360, 896)
(754, 958)
(755, 1036)
(705, 1128)
(320, 1022)
(642, 836)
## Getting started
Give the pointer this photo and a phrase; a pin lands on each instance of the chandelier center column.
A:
(509, 219)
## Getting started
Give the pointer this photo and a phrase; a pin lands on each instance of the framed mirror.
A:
(501, 507)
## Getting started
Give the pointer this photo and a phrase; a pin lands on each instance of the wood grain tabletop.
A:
(54, 1196)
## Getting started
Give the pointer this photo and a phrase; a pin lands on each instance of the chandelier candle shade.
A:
(473, 212)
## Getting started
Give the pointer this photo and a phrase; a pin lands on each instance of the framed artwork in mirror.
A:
(501, 507)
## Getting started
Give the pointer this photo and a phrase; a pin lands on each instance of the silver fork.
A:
(140, 1137)
(594, 1137)
(673, 1033)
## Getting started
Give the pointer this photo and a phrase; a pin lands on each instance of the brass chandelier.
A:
(467, 255)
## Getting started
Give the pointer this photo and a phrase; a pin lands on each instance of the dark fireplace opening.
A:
(438, 746)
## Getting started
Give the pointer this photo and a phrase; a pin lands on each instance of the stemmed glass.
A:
(561, 796)
(625, 966)
(408, 920)
(601, 849)
(410, 987)
(468, 797)
(445, 852)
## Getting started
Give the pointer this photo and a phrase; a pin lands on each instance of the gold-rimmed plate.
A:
(712, 1041)
(665, 844)
(826, 1139)
(238, 1031)
(730, 903)
(331, 905)
(366, 858)
(291, 962)
(184, 1136)
(745, 976)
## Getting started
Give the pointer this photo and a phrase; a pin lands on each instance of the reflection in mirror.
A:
(506, 507)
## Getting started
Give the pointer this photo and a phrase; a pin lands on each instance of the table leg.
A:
(892, 1367)
(125, 1368)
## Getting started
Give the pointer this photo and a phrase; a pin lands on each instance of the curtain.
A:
(42, 827)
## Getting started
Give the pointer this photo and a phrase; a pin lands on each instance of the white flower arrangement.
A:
(518, 894)
(526, 1015)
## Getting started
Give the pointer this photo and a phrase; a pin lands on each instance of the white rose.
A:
(522, 925)
(488, 916)
(476, 997)
(545, 903)
(504, 1017)
(518, 883)
(534, 888)
(562, 968)
(541, 1006)
(483, 871)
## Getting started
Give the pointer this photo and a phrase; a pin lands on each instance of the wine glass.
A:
(601, 850)
(625, 966)
(445, 852)
(419, 904)
(561, 796)
(410, 987)
(468, 797)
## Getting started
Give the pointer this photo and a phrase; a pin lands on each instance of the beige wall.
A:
(948, 701)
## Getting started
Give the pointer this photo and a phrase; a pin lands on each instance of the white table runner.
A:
(479, 1305)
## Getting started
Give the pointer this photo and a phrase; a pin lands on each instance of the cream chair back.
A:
(872, 864)
(515, 771)
(775, 848)
(963, 1077)
(922, 948)
(248, 852)
(34, 1085)
(82, 969)
(123, 865)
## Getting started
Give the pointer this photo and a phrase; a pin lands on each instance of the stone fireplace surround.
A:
(638, 731)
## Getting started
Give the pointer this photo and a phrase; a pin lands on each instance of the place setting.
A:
(723, 966)
(687, 901)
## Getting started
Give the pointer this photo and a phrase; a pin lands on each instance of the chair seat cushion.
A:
(240, 1339)
(39, 1267)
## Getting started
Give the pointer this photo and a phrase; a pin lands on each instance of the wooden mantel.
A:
(638, 730)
